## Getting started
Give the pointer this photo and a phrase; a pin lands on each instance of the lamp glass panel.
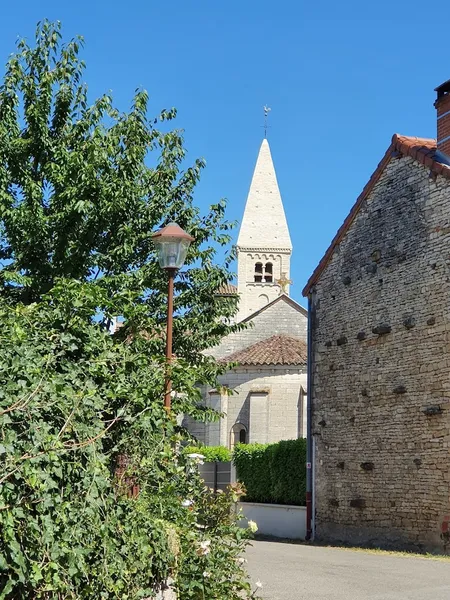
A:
(172, 252)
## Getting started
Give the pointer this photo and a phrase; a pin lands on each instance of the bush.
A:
(211, 453)
(273, 473)
(71, 402)
(96, 499)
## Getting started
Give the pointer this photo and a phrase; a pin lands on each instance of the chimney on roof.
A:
(442, 105)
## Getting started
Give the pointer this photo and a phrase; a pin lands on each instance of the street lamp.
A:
(172, 244)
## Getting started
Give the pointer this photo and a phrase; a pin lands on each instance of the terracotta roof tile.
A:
(424, 150)
(228, 289)
(276, 350)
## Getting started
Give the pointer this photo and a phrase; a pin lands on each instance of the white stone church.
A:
(264, 398)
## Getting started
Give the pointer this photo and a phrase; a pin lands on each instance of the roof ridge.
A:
(398, 136)
(283, 296)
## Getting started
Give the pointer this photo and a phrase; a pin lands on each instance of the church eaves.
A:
(264, 222)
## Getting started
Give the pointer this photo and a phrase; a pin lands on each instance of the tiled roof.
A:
(424, 150)
(228, 289)
(276, 350)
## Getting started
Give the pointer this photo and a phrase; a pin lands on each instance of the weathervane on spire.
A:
(266, 114)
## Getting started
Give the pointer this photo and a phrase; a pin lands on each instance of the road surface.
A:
(302, 572)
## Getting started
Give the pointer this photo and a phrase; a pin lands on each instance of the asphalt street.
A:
(297, 572)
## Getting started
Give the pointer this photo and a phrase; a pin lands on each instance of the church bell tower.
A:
(264, 245)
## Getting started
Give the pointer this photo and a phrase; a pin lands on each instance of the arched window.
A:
(238, 435)
(268, 273)
(258, 272)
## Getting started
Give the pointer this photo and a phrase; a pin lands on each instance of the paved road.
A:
(301, 572)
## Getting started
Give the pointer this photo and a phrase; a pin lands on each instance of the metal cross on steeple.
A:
(266, 114)
(283, 282)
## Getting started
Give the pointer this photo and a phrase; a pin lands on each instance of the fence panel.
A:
(216, 475)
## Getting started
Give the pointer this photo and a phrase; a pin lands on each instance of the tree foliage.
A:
(83, 187)
(80, 195)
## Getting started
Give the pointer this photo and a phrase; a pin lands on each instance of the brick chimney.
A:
(442, 105)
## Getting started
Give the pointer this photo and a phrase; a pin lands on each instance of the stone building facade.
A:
(380, 358)
(263, 399)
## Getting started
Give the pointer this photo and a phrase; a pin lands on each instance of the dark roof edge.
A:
(284, 297)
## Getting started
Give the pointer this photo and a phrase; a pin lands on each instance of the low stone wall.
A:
(276, 520)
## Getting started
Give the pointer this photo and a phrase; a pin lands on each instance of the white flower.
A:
(242, 560)
(253, 526)
(204, 548)
(206, 574)
(187, 503)
(258, 584)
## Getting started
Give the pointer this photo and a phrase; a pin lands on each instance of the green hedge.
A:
(273, 473)
(211, 453)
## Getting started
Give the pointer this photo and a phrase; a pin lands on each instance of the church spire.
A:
(264, 245)
(264, 222)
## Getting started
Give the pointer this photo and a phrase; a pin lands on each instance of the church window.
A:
(268, 273)
(258, 272)
(238, 435)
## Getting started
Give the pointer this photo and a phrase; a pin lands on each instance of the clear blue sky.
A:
(340, 77)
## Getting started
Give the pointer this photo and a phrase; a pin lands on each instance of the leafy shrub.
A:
(273, 473)
(72, 400)
(211, 453)
(96, 500)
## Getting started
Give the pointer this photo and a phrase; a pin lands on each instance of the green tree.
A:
(82, 188)
(80, 195)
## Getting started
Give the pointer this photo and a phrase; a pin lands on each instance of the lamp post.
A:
(172, 244)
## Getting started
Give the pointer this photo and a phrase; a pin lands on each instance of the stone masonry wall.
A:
(381, 358)
(254, 296)
(281, 318)
(286, 410)
(284, 401)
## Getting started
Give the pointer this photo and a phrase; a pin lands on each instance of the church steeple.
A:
(264, 222)
(264, 244)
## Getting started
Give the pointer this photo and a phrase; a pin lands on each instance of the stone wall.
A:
(381, 385)
(280, 318)
(269, 402)
(254, 295)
